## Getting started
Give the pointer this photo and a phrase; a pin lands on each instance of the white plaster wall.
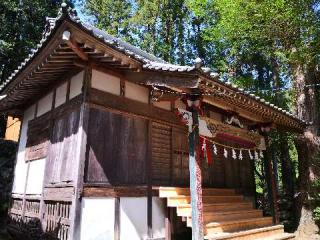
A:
(20, 171)
(76, 84)
(105, 82)
(45, 104)
(133, 218)
(179, 104)
(97, 219)
(35, 176)
(158, 217)
(61, 95)
(136, 92)
(163, 104)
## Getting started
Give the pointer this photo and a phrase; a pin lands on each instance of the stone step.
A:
(185, 209)
(174, 191)
(237, 225)
(252, 234)
(176, 201)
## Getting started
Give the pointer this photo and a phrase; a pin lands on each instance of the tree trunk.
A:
(287, 173)
(286, 164)
(307, 145)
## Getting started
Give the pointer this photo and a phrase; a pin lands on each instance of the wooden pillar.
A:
(271, 181)
(80, 156)
(149, 182)
(195, 179)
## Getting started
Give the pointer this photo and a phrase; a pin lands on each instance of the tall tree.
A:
(112, 16)
(22, 23)
(285, 33)
(168, 29)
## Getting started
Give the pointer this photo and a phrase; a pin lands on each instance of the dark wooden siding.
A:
(38, 137)
(60, 158)
(117, 148)
(180, 168)
(161, 153)
(118, 152)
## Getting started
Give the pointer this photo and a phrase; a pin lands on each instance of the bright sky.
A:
(78, 6)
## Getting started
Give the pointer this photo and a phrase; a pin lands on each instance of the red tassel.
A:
(209, 153)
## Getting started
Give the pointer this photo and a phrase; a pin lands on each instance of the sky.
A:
(82, 16)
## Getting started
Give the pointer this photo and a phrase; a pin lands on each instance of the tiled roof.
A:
(148, 61)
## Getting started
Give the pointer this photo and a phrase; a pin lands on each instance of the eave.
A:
(56, 56)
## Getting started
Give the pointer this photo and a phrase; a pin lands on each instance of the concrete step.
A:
(176, 201)
(185, 209)
(174, 191)
(252, 234)
(237, 225)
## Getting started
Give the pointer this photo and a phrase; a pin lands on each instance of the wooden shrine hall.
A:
(116, 143)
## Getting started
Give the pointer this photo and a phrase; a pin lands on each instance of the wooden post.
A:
(271, 182)
(80, 155)
(149, 182)
(195, 179)
(117, 218)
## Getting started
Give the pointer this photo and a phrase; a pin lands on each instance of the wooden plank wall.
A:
(118, 153)
(52, 137)
(118, 140)
(117, 149)
(60, 160)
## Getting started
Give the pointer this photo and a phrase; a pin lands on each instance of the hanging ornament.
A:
(250, 155)
(240, 155)
(215, 150)
(203, 147)
(261, 154)
(256, 155)
(208, 152)
(234, 155)
(225, 153)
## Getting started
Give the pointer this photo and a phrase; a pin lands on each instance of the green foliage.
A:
(21, 28)
(7, 156)
(315, 195)
(168, 29)
(316, 214)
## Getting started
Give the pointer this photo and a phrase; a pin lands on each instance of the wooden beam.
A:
(90, 41)
(228, 107)
(92, 190)
(74, 45)
(80, 156)
(130, 107)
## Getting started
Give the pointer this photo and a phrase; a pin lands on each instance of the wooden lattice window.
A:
(57, 218)
(15, 212)
(32, 209)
